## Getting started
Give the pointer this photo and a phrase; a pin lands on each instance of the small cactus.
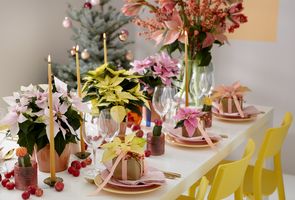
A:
(24, 159)
(207, 104)
(157, 130)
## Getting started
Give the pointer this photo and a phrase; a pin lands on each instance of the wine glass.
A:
(204, 84)
(98, 129)
(174, 101)
(161, 100)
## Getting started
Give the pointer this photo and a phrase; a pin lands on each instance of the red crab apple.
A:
(59, 186)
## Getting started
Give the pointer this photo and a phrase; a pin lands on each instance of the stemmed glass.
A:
(98, 129)
(161, 100)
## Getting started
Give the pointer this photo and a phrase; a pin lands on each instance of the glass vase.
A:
(201, 81)
(25, 176)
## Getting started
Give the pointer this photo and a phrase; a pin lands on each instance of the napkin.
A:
(152, 176)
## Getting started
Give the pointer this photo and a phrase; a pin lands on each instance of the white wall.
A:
(31, 29)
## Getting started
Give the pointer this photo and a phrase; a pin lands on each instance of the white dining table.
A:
(191, 163)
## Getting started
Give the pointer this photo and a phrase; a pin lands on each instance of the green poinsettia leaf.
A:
(59, 143)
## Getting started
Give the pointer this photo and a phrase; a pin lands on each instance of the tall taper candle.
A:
(51, 123)
(105, 48)
(186, 70)
(79, 91)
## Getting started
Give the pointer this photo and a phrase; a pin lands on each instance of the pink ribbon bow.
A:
(233, 91)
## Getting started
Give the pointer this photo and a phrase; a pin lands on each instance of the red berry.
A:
(83, 164)
(88, 5)
(10, 185)
(4, 182)
(7, 175)
(39, 192)
(88, 161)
(76, 173)
(76, 164)
(12, 172)
(158, 122)
(59, 186)
(25, 195)
(135, 128)
(147, 153)
(139, 133)
(32, 189)
(71, 169)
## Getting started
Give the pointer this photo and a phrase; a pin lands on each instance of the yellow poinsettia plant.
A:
(119, 90)
(117, 146)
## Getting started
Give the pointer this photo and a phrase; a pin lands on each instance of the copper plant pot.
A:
(25, 176)
(156, 144)
(207, 118)
(61, 162)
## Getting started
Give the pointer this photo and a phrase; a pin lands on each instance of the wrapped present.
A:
(228, 105)
(196, 133)
(131, 167)
(230, 98)
(127, 157)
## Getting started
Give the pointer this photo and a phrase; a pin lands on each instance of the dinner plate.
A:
(234, 118)
(125, 190)
(174, 141)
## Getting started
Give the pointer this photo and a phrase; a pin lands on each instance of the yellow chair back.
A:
(229, 177)
(271, 147)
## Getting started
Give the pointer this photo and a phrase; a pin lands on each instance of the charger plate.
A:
(173, 141)
(234, 119)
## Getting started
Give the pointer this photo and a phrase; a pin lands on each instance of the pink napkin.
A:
(152, 176)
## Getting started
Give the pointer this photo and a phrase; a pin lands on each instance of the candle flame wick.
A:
(49, 58)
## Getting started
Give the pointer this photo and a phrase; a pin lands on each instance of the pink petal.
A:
(208, 40)
(157, 36)
(189, 128)
(171, 36)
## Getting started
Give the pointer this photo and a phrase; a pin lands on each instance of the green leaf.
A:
(180, 124)
(60, 143)
(73, 118)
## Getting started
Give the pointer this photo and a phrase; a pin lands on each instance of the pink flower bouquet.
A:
(206, 22)
(28, 116)
(159, 69)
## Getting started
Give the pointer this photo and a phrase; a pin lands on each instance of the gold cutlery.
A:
(171, 174)
(9, 155)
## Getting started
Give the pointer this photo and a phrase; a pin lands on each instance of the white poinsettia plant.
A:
(28, 116)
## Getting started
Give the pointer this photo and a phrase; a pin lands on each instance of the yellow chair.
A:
(260, 181)
(227, 180)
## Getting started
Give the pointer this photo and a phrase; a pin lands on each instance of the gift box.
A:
(196, 133)
(229, 106)
(131, 167)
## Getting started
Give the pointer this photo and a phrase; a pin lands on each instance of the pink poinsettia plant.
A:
(206, 23)
(156, 70)
(188, 117)
(28, 116)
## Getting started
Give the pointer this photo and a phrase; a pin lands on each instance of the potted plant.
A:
(28, 117)
(25, 170)
(188, 119)
(156, 140)
(157, 70)
(118, 90)
(207, 112)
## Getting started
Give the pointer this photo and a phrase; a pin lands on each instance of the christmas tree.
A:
(88, 25)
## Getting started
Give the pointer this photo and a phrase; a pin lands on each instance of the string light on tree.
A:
(85, 54)
(94, 2)
(67, 23)
(123, 35)
(129, 55)
(73, 51)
